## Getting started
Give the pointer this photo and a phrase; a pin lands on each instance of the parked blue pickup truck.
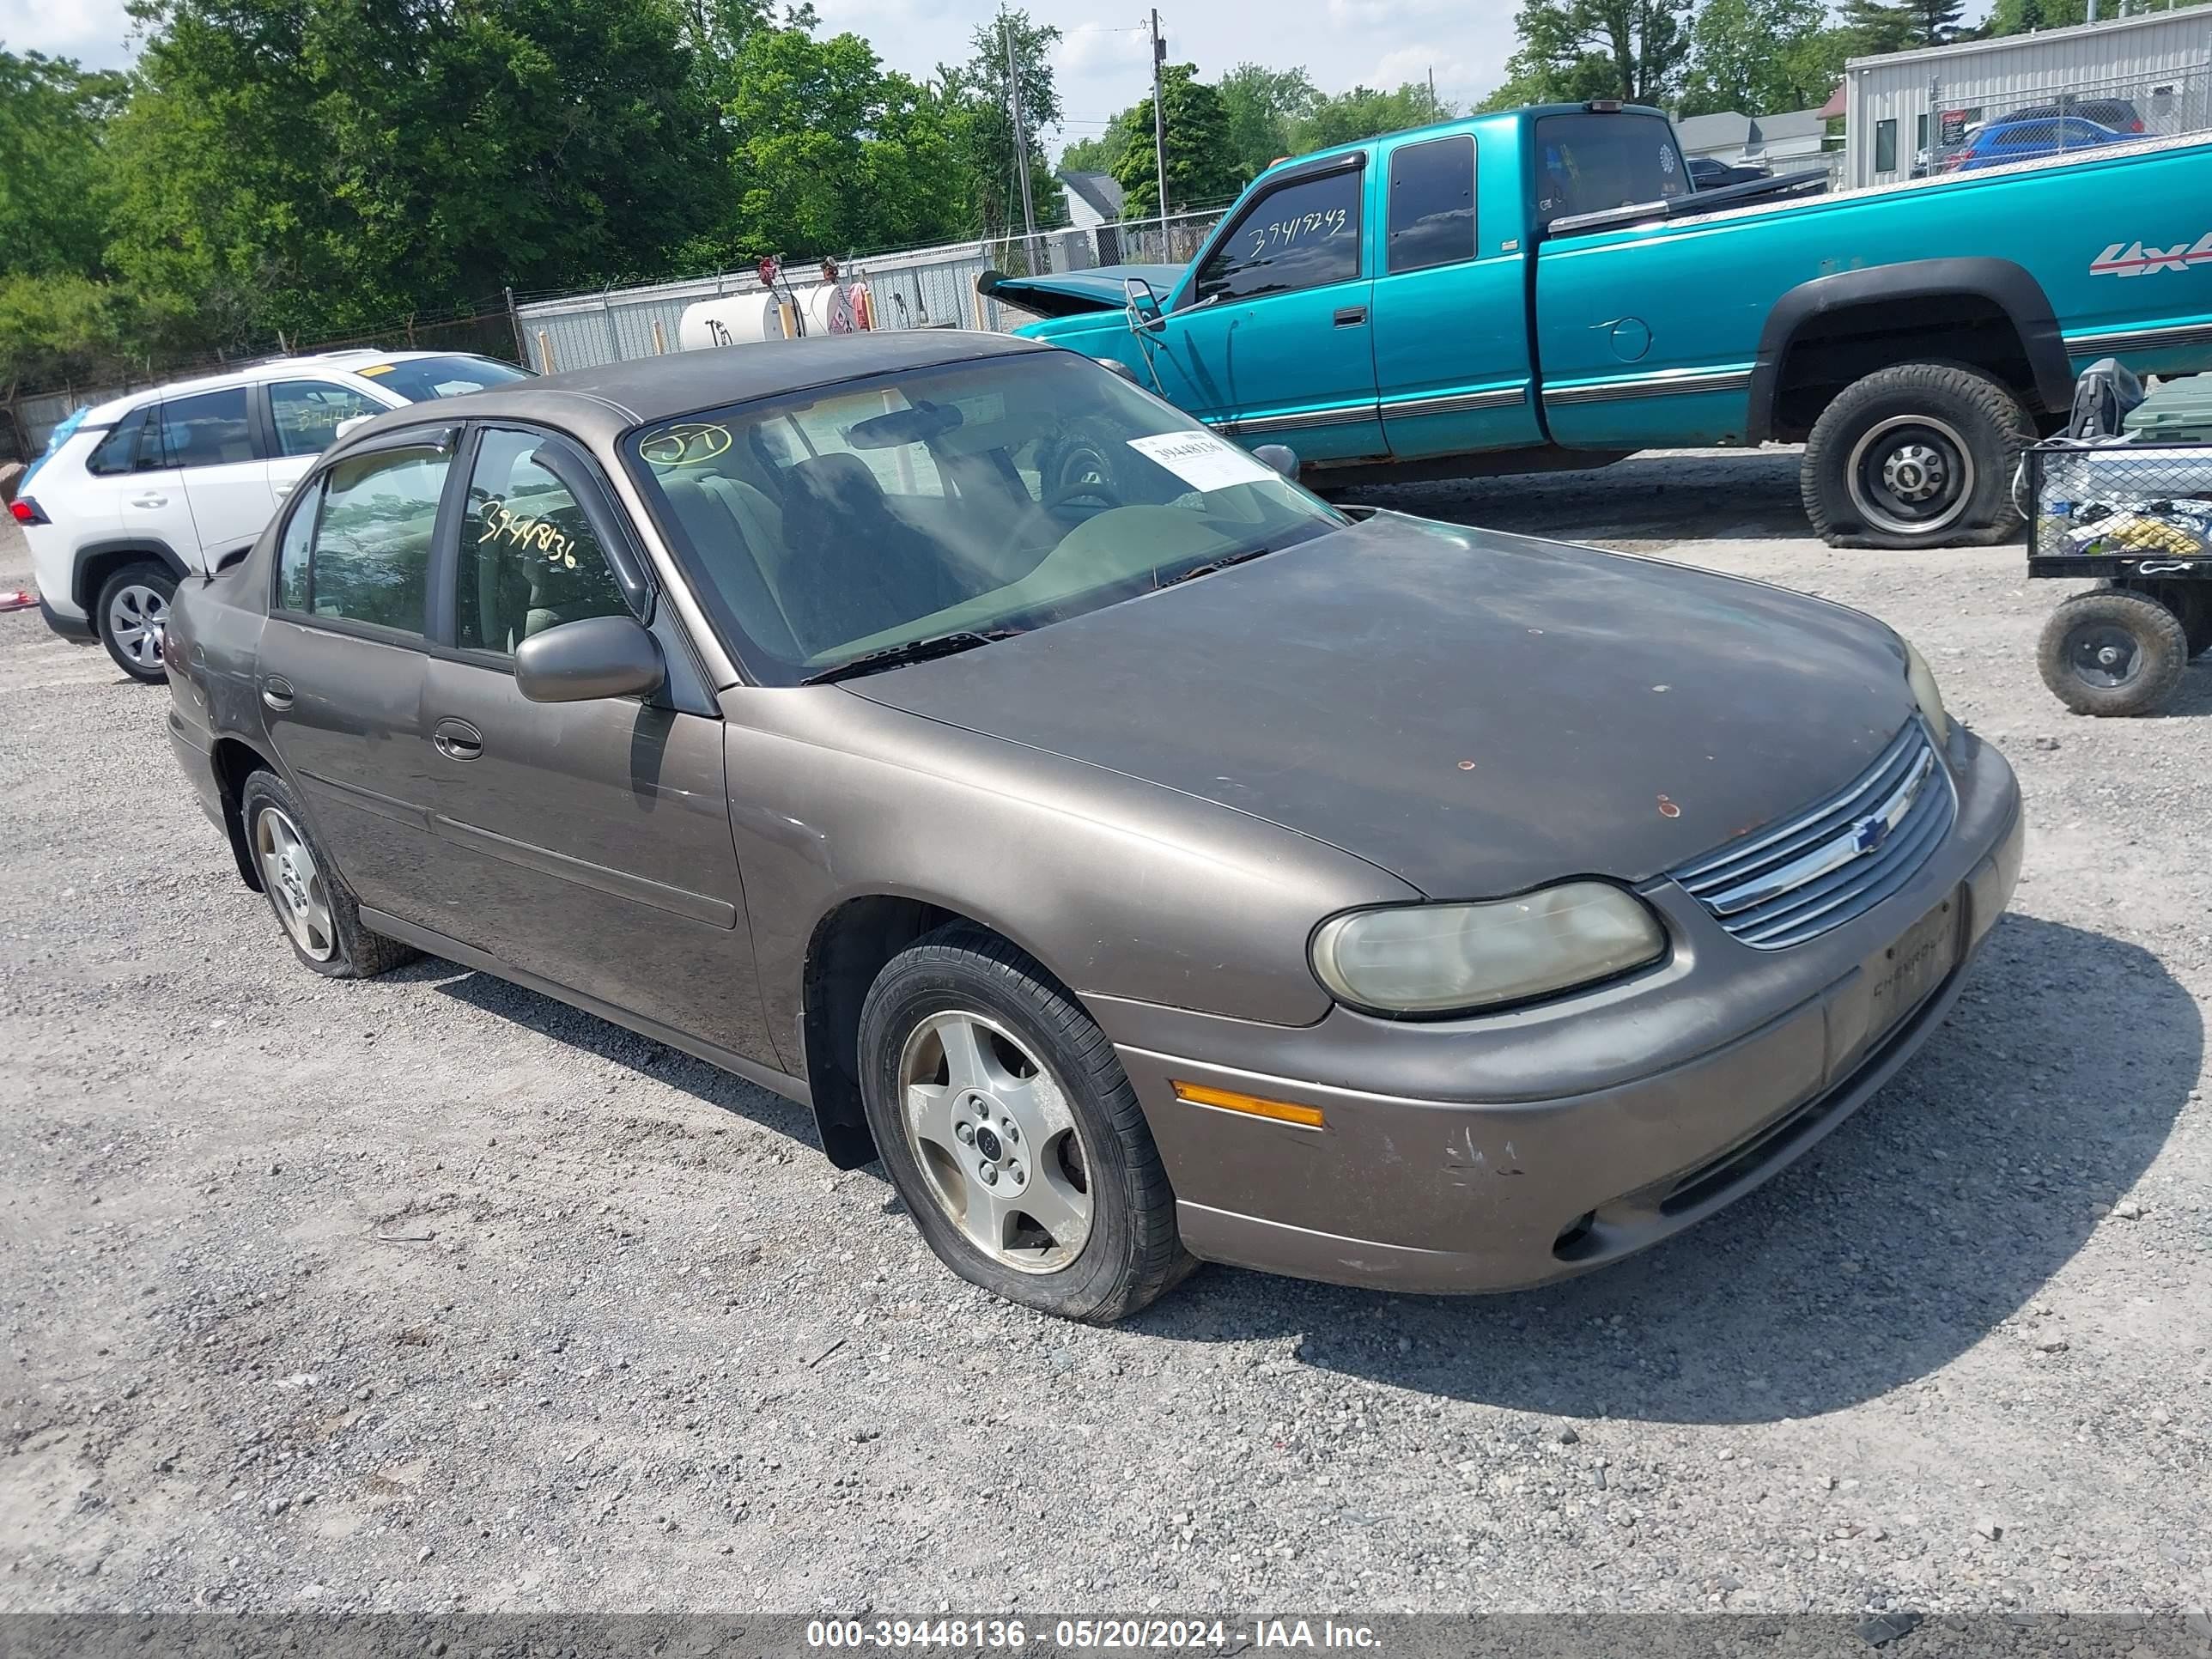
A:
(1541, 287)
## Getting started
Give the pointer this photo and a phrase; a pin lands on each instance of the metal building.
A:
(1915, 111)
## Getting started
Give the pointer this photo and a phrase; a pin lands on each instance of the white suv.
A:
(159, 485)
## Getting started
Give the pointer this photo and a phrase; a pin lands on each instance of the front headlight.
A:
(1927, 694)
(1451, 958)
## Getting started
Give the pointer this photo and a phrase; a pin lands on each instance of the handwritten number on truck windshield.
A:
(1296, 232)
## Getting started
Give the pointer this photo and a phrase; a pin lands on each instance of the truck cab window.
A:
(1301, 235)
(1431, 204)
(1591, 161)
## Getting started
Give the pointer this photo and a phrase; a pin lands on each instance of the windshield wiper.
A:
(1212, 565)
(895, 656)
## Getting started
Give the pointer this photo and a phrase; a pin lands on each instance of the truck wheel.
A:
(2112, 654)
(1920, 455)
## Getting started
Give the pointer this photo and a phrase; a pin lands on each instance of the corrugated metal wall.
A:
(921, 288)
(2123, 58)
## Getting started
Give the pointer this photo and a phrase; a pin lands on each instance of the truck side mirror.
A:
(1143, 305)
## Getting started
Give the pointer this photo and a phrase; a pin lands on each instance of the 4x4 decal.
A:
(2134, 260)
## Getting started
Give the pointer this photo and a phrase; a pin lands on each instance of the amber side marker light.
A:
(1282, 1111)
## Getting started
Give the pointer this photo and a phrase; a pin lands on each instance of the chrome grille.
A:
(1783, 886)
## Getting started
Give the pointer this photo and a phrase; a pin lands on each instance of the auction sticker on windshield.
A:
(1202, 460)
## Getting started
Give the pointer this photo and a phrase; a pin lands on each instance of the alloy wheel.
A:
(991, 1127)
(294, 884)
(137, 620)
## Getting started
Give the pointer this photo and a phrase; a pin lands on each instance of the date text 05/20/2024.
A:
(1092, 1635)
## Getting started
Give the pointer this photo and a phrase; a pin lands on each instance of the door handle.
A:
(280, 490)
(149, 500)
(1350, 316)
(457, 740)
(276, 692)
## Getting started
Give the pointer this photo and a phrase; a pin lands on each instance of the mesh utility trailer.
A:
(2136, 517)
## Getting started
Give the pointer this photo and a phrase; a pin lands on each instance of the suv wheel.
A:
(132, 615)
(316, 909)
(1919, 455)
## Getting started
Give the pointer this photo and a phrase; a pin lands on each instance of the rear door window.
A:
(368, 558)
(1431, 204)
(1299, 235)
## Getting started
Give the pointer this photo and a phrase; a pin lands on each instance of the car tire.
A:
(1920, 455)
(314, 907)
(1041, 1102)
(131, 613)
(2112, 654)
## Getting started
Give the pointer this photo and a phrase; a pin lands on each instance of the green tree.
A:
(1873, 27)
(1195, 138)
(54, 326)
(1346, 118)
(1098, 153)
(831, 153)
(318, 165)
(1265, 107)
(1572, 50)
(982, 120)
(53, 121)
(1761, 57)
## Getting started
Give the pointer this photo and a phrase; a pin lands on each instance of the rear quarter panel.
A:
(2121, 244)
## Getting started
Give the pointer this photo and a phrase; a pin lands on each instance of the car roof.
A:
(602, 402)
(344, 361)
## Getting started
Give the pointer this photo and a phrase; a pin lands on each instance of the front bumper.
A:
(1495, 1153)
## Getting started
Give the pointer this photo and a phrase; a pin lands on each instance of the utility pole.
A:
(1433, 91)
(1021, 147)
(1159, 119)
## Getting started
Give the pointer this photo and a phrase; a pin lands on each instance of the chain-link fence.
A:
(1959, 135)
(919, 287)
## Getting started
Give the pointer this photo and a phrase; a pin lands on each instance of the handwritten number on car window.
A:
(1290, 233)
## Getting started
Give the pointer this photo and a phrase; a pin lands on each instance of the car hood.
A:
(1474, 713)
(1074, 292)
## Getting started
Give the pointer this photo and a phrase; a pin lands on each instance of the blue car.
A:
(2003, 142)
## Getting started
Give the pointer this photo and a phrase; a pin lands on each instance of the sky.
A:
(1100, 67)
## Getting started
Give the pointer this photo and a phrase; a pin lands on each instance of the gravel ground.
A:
(429, 1293)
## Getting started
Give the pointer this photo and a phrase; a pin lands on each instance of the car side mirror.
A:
(583, 661)
(1281, 456)
(355, 424)
(1143, 305)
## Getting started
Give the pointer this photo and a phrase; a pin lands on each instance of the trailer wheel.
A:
(2112, 652)
(2191, 601)
(1919, 455)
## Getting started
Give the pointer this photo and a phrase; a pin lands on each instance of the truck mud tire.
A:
(2112, 652)
(1920, 455)
(1011, 1132)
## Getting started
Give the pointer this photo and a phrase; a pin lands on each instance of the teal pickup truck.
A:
(1543, 288)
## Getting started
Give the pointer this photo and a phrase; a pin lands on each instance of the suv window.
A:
(210, 429)
(1299, 235)
(369, 557)
(123, 450)
(529, 559)
(1431, 203)
(307, 413)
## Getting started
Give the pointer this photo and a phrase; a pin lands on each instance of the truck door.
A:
(1268, 337)
(1451, 333)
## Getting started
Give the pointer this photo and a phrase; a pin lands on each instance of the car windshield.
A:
(1588, 162)
(420, 380)
(966, 499)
